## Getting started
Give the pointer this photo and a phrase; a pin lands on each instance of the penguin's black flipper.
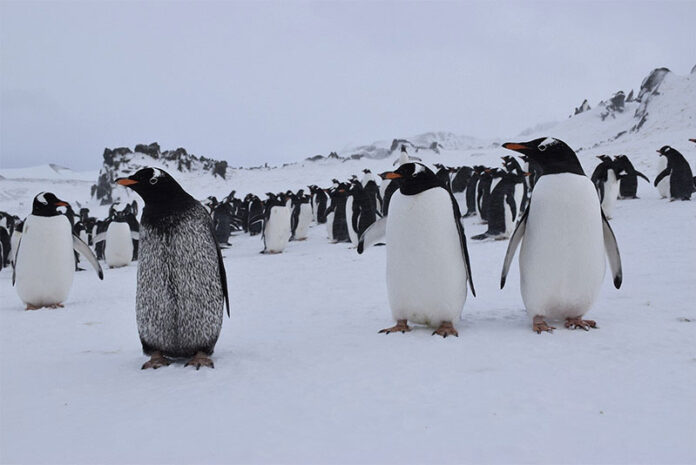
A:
(221, 267)
(462, 237)
(84, 250)
(659, 177)
(515, 240)
(612, 250)
(638, 173)
(373, 234)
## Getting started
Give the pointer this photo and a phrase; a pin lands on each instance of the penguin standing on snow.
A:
(301, 216)
(681, 179)
(45, 261)
(565, 236)
(182, 287)
(427, 259)
(369, 184)
(502, 208)
(336, 221)
(606, 180)
(319, 201)
(255, 215)
(119, 238)
(276, 226)
(628, 181)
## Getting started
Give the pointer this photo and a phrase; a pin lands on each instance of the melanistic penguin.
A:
(427, 259)
(45, 261)
(628, 181)
(276, 226)
(565, 236)
(681, 179)
(182, 285)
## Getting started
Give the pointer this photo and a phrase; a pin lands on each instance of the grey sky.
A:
(256, 82)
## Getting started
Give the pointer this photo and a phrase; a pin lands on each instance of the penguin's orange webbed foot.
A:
(54, 306)
(579, 323)
(401, 325)
(446, 329)
(156, 361)
(539, 325)
(200, 360)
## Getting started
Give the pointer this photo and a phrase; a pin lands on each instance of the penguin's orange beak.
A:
(515, 146)
(60, 203)
(126, 181)
(392, 175)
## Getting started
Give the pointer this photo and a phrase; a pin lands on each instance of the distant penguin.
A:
(472, 189)
(363, 211)
(369, 184)
(45, 262)
(681, 179)
(276, 227)
(255, 216)
(522, 189)
(564, 236)
(487, 182)
(319, 203)
(461, 179)
(301, 216)
(14, 240)
(663, 184)
(628, 181)
(338, 223)
(117, 240)
(6, 228)
(427, 259)
(182, 286)
(223, 219)
(502, 208)
(606, 180)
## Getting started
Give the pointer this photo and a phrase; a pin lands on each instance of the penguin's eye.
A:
(153, 181)
(542, 148)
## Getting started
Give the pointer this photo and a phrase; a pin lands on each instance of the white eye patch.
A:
(156, 174)
(42, 198)
(546, 143)
(418, 168)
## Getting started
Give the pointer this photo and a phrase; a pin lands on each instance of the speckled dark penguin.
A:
(182, 286)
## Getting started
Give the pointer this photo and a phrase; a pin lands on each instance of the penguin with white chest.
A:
(118, 238)
(276, 227)
(427, 258)
(564, 236)
(182, 286)
(45, 261)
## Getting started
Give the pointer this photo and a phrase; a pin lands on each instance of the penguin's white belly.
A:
(329, 226)
(14, 242)
(118, 250)
(303, 221)
(663, 187)
(277, 231)
(611, 193)
(562, 260)
(509, 220)
(45, 262)
(519, 194)
(314, 208)
(426, 274)
(352, 233)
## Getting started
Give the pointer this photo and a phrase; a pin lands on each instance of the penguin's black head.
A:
(366, 171)
(553, 155)
(414, 178)
(155, 186)
(403, 148)
(46, 204)
(665, 150)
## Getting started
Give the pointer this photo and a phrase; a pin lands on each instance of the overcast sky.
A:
(257, 82)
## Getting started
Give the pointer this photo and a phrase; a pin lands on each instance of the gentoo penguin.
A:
(369, 184)
(521, 189)
(461, 179)
(606, 180)
(681, 179)
(564, 236)
(182, 287)
(45, 262)
(628, 181)
(363, 213)
(487, 182)
(472, 189)
(502, 208)
(427, 259)
(223, 220)
(336, 221)
(255, 215)
(119, 237)
(319, 203)
(301, 216)
(276, 226)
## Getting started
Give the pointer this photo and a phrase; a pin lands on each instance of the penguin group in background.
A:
(120, 236)
(45, 261)
(628, 180)
(472, 189)
(182, 285)
(369, 184)
(223, 220)
(336, 220)
(276, 225)
(681, 179)
(522, 189)
(606, 180)
(255, 215)
(363, 212)
(6, 230)
(461, 178)
(502, 207)
(427, 259)
(565, 236)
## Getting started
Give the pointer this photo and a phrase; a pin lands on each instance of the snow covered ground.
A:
(301, 375)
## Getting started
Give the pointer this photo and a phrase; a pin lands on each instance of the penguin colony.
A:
(181, 280)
